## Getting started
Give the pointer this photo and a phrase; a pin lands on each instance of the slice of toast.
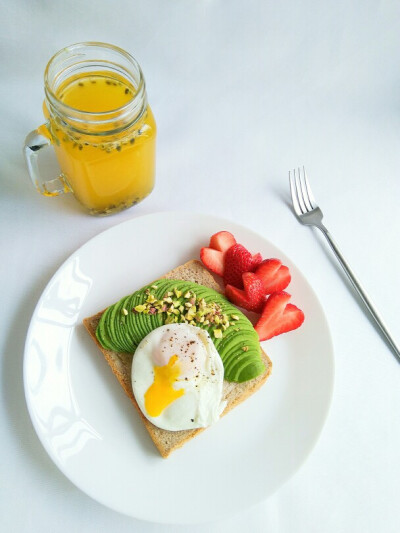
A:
(121, 363)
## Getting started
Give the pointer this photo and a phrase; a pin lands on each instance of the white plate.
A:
(90, 428)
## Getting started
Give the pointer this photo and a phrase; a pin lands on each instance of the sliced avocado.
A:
(238, 346)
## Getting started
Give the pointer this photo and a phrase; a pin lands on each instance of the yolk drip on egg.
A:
(161, 393)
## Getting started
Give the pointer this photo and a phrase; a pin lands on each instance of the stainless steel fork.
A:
(308, 213)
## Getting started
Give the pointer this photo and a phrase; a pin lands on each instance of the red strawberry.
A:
(237, 261)
(278, 316)
(214, 256)
(213, 260)
(256, 260)
(222, 241)
(253, 296)
(274, 275)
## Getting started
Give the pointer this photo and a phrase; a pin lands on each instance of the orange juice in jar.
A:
(101, 127)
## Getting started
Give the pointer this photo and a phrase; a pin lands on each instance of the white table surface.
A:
(242, 91)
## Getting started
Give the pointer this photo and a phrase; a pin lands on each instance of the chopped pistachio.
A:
(234, 317)
(154, 287)
(245, 348)
(124, 311)
(168, 300)
(217, 333)
(187, 295)
(140, 308)
(178, 293)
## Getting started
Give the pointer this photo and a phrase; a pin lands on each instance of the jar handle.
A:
(36, 141)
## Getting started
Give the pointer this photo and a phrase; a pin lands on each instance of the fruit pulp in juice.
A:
(105, 172)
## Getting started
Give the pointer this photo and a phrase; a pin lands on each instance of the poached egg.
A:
(177, 378)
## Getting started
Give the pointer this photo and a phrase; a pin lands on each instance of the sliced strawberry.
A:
(238, 260)
(274, 275)
(252, 297)
(278, 316)
(222, 241)
(213, 260)
(256, 260)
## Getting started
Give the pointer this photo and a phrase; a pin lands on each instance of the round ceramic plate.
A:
(90, 428)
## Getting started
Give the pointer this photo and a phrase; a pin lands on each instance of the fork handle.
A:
(363, 295)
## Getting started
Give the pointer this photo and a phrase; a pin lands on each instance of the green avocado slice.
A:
(237, 343)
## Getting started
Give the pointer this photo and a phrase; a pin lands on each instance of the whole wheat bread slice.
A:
(120, 363)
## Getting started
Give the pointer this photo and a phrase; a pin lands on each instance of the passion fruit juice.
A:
(106, 170)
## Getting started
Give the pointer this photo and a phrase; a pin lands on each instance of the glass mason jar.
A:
(101, 127)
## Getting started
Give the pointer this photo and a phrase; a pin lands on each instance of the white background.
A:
(242, 91)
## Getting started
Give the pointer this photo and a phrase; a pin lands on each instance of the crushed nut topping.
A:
(186, 308)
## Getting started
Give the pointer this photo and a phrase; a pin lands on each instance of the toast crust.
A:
(121, 363)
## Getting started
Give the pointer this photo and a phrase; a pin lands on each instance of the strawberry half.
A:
(213, 257)
(222, 241)
(278, 316)
(213, 260)
(252, 297)
(275, 276)
(256, 260)
(238, 260)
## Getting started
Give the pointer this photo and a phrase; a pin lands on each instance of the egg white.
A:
(201, 376)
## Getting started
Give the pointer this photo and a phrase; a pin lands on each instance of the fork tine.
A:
(295, 202)
(304, 191)
(310, 195)
(300, 192)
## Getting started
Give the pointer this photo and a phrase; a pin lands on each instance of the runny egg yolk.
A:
(161, 393)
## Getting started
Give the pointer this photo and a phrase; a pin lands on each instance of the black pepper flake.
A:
(192, 419)
(132, 140)
(126, 91)
(119, 148)
(80, 84)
